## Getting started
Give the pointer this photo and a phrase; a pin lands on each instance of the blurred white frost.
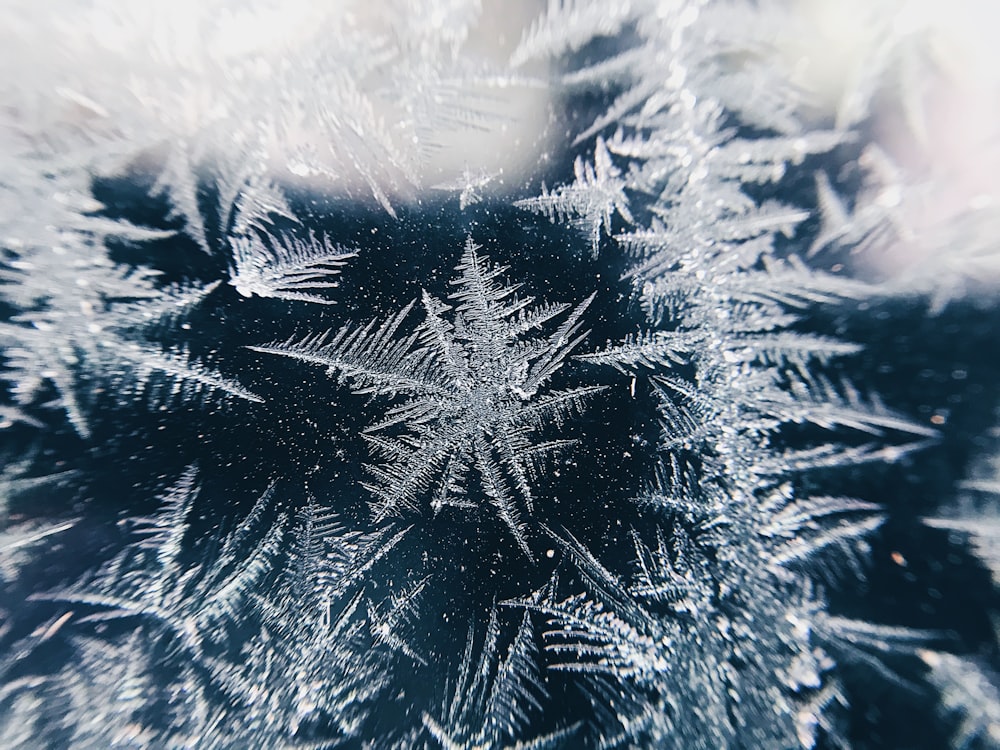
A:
(926, 76)
(349, 95)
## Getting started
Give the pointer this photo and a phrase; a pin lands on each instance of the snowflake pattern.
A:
(473, 392)
(735, 493)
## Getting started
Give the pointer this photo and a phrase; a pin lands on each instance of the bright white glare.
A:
(943, 132)
(187, 68)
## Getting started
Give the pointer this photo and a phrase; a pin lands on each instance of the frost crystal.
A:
(589, 203)
(473, 389)
(778, 221)
(289, 268)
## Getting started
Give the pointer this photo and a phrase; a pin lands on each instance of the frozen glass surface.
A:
(478, 374)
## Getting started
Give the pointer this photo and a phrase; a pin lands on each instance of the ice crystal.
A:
(712, 501)
(288, 268)
(967, 689)
(492, 698)
(313, 662)
(148, 580)
(77, 321)
(591, 202)
(474, 390)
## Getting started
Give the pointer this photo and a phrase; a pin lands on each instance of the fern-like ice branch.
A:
(471, 391)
